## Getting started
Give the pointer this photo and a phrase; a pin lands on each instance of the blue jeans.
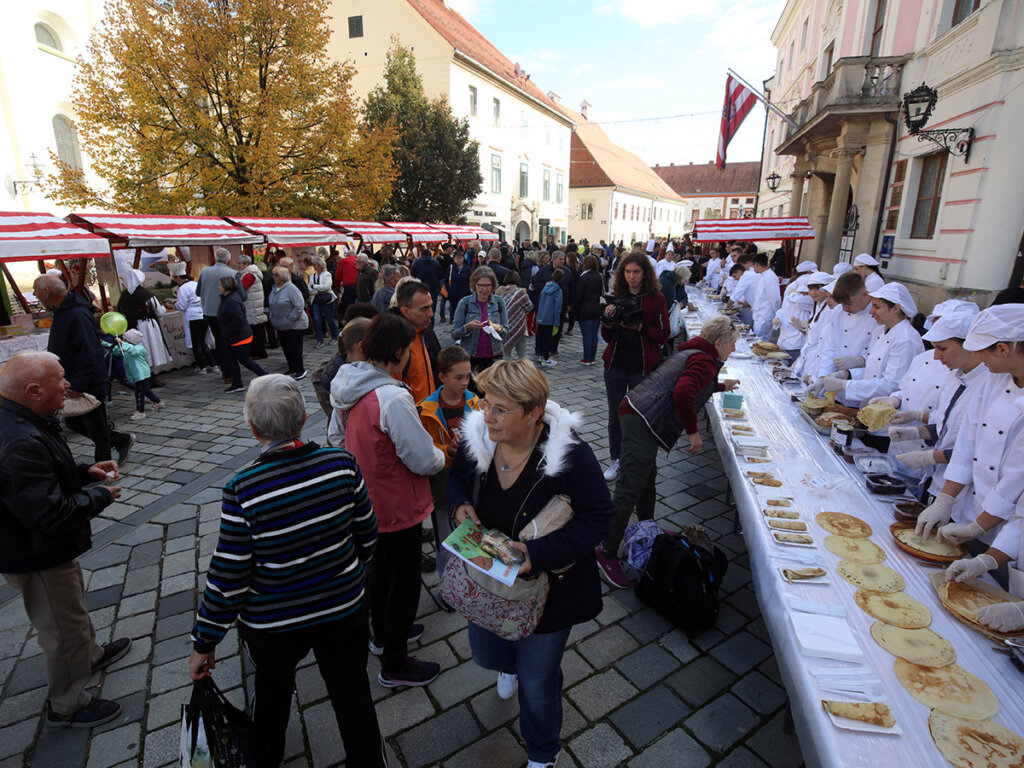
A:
(323, 313)
(616, 384)
(537, 660)
(589, 329)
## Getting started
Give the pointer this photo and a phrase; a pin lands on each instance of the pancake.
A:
(918, 646)
(876, 416)
(930, 546)
(876, 577)
(896, 608)
(843, 524)
(950, 689)
(856, 550)
(975, 743)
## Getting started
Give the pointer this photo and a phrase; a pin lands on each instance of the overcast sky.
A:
(642, 59)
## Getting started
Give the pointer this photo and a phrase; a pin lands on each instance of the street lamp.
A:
(917, 109)
(773, 181)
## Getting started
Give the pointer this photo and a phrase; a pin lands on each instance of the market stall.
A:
(723, 230)
(368, 233)
(822, 637)
(194, 238)
(291, 233)
(38, 237)
(463, 233)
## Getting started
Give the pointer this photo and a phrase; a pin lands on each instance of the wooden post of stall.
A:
(14, 287)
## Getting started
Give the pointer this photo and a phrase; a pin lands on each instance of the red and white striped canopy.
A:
(35, 236)
(419, 233)
(466, 232)
(369, 231)
(786, 228)
(128, 230)
(290, 232)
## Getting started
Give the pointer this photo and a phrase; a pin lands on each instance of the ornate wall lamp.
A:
(917, 109)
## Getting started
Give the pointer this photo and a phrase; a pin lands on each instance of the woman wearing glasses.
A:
(482, 309)
(517, 454)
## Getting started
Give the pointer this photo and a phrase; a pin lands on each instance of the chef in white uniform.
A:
(926, 450)
(803, 269)
(1007, 548)
(806, 366)
(792, 317)
(742, 296)
(845, 347)
(841, 269)
(766, 297)
(987, 463)
(866, 266)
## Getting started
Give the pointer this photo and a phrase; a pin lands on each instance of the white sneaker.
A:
(137, 416)
(613, 470)
(535, 764)
(507, 685)
(549, 362)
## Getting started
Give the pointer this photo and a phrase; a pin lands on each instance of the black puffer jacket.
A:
(44, 511)
(232, 319)
(75, 339)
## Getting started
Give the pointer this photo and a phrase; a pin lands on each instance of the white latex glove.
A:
(776, 323)
(955, 533)
(917, 459)
(1003, 617)
(905, 417)
(907, 433)
(937, 513)
(799, 324)
(827, 384)
(807, 378)
(970, 568)
(851, 361)
(893, 401)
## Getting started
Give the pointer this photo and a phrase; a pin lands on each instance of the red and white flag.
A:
(739, 100)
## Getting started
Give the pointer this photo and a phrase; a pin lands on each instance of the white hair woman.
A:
(290, 566)
(288, 316)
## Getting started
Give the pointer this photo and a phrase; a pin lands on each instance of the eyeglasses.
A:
(500, 413)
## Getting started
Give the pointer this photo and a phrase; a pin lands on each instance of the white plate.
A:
(816, 580)
(860, 726)
(812, 545)
(741, 355)
(760, 461)
(766, 520)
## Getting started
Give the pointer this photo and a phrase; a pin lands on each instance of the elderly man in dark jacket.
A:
(74, 338)
(44, 527)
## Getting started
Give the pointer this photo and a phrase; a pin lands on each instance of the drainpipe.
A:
(895, 123)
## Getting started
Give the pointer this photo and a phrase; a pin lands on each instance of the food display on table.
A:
(975, 743)
(802, 574)
(734, 413)
(779, 502)
(930, 550)
(843, 524)
(876, 577)
(923, 647)
(787, 525)
(887, 485)
(950, 689)
(764, 348)
(877, 416)
(858, 550)
(797, 539)
(965, 598)
(874, 713)
(896, 608)
(778, 512)
(764, 478)
(757, 460)
(907, 511)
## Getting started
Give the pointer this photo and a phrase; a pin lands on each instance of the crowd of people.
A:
(320, 547)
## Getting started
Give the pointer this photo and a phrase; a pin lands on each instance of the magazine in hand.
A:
(464, 542)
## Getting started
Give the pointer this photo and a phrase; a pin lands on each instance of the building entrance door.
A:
(523, 231)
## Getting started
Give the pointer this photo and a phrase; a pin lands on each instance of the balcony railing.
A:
(857, 84)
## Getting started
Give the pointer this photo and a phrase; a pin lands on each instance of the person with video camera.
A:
(635, 325)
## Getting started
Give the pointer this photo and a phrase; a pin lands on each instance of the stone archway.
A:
(523, 231)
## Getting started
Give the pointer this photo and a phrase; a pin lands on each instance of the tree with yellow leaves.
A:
(222, 107)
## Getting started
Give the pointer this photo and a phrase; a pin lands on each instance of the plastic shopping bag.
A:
(214, 733)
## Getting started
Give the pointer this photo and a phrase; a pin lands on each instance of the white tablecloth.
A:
(798, 453)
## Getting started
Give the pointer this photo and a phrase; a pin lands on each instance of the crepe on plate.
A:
(788, 525)
(975, 743)
(786, 514)
(843, 524)
(951, 689)
(859, 550)
(873, 712)
(876, 416)
(796, 574)
(930, 546)
(876, 577)
(896, 608)
(918, 646)
(792, 538)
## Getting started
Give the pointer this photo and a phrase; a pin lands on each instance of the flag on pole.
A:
(739, 100)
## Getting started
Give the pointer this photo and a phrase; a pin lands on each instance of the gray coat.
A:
(209, 279)
(287, 308)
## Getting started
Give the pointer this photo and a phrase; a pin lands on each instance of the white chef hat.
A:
(650, 245)
(54, 272)
(1004, 322)
(820, 278)
(687, 262)
(806, 266)
(671, 247)
(841, 269)
(866, 260)
(830, 288)
(898, 294)
(176, 268)
(951, 306)
(951, 325)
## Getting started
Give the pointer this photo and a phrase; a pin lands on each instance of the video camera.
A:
(627, 310)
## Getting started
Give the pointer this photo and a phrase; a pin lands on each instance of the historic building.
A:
(943, 223)
(524, 137)
(709, 193)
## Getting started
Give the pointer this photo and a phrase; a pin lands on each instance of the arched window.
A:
(67, 142)
(46, 36)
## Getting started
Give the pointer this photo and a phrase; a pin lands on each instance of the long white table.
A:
(798, 452)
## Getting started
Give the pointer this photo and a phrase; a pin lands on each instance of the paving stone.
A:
(107, 577)
(166, 707)
(168, 676)
(701, 681)
(135, 626)
(180, 562)
(102, 598)
(29, 674)
(646, 717)
(741, 653)
(133, 708)
(745, 601)
(309, 684)
(722, 723)
(146, 532)
(186, 527)
(122, 682)
(439, 652)
(447, 733)
(179, 602)
(604, 648)
(778, 748)
(460, 683)
(113, 747)
(160, 744)
(183, 582)
(580, 631)
(22, 706)
(611, 611)
(646, 666)
(103, 618)
(141, 580)
(129, 606)
(572, 721)
(403, 710)
(492, 710)
(647, 625)
(674, 750)
(61, 748)
(600, 747)
(499, 750)
(742, 758)
(574, 668)
(679, 645)
(180, 544)
(759, 693)
(149, 553)
(598, 695)
(111, 554)
(12, 640)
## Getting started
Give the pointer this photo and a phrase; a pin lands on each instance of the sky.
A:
(639, 59)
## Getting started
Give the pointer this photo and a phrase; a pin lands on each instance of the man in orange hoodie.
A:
(414, 302)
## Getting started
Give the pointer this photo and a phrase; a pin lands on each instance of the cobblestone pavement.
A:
(637, 693)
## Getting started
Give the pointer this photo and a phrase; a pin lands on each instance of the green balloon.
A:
(114, 323)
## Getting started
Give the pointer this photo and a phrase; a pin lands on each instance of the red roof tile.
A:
(735, 179)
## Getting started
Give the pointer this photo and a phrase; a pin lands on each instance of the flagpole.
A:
(764, 99)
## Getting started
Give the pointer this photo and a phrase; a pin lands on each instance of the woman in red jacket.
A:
(635, 327)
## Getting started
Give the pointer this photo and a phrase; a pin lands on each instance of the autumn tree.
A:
(222, 107)
(438, 165)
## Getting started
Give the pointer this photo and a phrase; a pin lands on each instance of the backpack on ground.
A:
(681, 582)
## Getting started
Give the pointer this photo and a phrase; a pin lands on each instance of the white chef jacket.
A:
(729, 285)
(985, 459)
(713, 275)
(851, 335)
(798, 306)
(1010, 540)
(873, 282)
(921, 386)
(766, 302)
(947, 427)
(744, 290)
(885, 363)
(816, 324)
